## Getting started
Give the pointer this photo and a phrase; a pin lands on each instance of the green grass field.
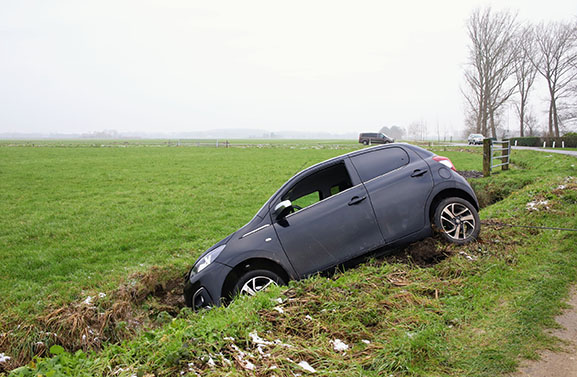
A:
(76, 221)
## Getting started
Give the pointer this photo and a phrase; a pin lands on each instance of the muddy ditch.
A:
(144, 300)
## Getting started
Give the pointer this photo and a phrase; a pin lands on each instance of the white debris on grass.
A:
(279, 309)
(467, 256)
(536, 205)
(119, 370)
(224, 359)
(339, 345)
(309, 317)
(102, 295)
(229, 338)
(88, 300)
(258, 340)
(306, 366)
(4, 358)
(260, 350)
(279, 300)
(411, 335)
(366, 341)
(246, 364)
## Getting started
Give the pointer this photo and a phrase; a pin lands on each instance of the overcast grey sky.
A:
(172, 66)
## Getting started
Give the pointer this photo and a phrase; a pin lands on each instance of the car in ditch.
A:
(335, 211)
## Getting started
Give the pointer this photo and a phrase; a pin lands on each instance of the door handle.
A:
(356, 200)
(418, 173)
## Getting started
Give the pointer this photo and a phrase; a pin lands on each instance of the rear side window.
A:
(379, 162)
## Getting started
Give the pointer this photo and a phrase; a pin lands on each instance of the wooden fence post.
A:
(486, 157)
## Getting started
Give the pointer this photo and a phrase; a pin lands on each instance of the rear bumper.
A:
(205, 288)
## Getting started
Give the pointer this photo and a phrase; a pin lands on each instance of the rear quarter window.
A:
(375, 163)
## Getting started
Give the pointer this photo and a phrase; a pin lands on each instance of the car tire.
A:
(457, 221)
(365, 142)
(255, 281)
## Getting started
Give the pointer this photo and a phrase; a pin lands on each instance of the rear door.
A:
(398, 182)
(333, 220)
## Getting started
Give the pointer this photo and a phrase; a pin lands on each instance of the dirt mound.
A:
(427, 252)
(145, 300)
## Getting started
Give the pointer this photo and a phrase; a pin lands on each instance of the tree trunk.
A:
(522, 119)
(550, 117)
(555, 119)
(493, 130)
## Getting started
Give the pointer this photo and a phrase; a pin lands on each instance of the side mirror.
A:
(282, 209)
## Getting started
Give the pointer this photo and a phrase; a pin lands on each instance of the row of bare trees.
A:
(506, 57)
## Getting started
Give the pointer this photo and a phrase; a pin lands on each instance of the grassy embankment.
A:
(472, 310)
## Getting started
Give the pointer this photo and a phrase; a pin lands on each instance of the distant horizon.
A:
(72, 67)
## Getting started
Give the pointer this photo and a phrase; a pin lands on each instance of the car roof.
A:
(357, 153)
(420, 151)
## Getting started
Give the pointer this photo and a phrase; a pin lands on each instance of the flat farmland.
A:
(79, 220)
(75, 219)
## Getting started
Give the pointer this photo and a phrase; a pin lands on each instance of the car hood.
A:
(251, 225)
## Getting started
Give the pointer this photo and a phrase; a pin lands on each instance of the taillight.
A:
(445, 161)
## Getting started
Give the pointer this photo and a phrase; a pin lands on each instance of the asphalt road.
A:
(559, 151)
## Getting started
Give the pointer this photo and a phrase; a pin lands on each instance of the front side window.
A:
(318, 186)
(375, 163)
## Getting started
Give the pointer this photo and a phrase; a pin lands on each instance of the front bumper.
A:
(205, 288)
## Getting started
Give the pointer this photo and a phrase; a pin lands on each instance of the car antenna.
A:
(302, 166)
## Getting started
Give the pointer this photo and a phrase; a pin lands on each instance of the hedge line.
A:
(535, 141)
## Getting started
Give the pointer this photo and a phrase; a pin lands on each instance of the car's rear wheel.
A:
(457, 220)
(257, 280)
(365, 142)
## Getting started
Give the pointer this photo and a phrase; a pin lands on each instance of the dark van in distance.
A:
(367, 138)
(336, 211)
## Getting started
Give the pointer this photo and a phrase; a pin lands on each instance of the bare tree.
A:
(525, 73)
(557, 44)
(492, 55)
(417, 130)
(531, 123)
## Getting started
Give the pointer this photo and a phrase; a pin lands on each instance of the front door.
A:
(332, 221)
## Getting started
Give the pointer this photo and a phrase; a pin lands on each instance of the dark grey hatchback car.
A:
(335, 211)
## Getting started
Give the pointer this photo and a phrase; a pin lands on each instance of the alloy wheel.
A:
(457, 221)
(256, 284)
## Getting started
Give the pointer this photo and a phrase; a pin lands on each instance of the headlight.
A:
(203, 262)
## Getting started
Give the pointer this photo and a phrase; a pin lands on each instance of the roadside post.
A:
(490, 160)
(486, 157)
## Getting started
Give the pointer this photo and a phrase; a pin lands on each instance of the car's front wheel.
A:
(365, 142)
(457, 220)
(257, 280)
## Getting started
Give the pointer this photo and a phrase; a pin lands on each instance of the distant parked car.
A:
(367, 138)
(335, 211)
(475, 139)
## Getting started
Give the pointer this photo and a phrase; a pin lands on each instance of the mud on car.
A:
(335, 211)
